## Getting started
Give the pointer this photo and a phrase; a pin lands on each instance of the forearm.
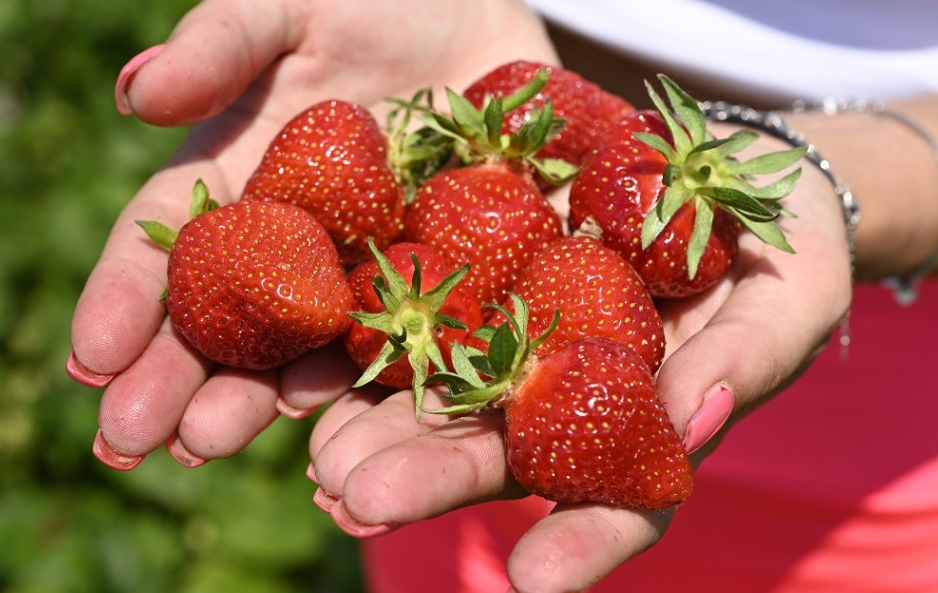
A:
(893, 174)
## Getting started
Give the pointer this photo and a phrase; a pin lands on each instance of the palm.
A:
(241, 90)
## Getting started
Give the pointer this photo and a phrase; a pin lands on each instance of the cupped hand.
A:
(238, 70)
(729, 350)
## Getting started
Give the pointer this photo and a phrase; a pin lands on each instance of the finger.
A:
(142, 406)
(455, 465)
(225, 415)
(315, 379)
(576, 546)
(358, 436)
(120, 307)
(212, 56)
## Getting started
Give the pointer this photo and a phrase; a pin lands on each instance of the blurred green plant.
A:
(68, 164)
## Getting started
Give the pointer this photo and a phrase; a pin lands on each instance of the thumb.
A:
(212, 56)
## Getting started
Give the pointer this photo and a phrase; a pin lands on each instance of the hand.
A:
(238, 71)
(729, 350)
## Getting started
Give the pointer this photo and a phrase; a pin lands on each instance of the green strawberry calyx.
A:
(477, 132)
(164, 236)
(411, 320)
(703, 171)
(415, 155)
(483, 379)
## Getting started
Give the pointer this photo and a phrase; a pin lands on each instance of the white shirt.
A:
(794, 48)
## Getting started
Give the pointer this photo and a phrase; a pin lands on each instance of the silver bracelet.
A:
(905, 288)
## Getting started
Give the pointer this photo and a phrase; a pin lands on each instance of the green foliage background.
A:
(68, 163)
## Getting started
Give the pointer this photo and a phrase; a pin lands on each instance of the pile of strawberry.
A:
(430, 249)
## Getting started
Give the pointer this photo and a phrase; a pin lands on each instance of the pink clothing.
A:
(832, 487)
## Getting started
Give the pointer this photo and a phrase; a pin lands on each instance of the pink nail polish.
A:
(127, 73)
(83, 374)
(710, 418)
(352, 527)
(111, 458)
(181, 454)
(289, 411)
(324, 500)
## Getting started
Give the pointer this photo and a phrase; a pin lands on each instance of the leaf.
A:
(674, 197)
(772, 162)
(686, 108)
(502, 349)
(699, 237)
(159, 233)
(744, 204)
(769, 232)
(779, 189)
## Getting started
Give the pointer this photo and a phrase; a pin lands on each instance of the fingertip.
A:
(713, 413)
(127, 74)
(180, 453)
(111, 457)
(83, 375)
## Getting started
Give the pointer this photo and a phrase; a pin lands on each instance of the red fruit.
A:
(486, 216)
(584, 424)
(255, 284)
(418, 313)
(620, 183)
(597, 293)
(332, 160)
(671, 198)
(586, 108)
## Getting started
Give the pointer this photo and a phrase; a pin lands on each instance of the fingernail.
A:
(181, 454)
(111, 458)
(289, 411)
(710, 418)
(83, 374)
(127, 73)
(324, 500)
(352, 527)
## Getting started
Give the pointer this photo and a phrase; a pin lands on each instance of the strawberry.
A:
(583, 424)
(332, 159)
(598, 294)
(488, 212)
(586, 108)
(253, 284)
(487, 216)
(672, 200)
(396, 317)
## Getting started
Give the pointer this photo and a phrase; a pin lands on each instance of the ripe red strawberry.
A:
(585, 424)
(403, 332)
(586, 108)
(488, 212)
(582, 424)
(670, 198)
(597, 293)
(254, 284)
(487, 216)
(332, 160)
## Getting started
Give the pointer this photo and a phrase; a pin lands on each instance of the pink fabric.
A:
(831, 487)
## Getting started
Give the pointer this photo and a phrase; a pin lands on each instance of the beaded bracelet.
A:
(773, 123)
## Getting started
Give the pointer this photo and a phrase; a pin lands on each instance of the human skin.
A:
(239, 70)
